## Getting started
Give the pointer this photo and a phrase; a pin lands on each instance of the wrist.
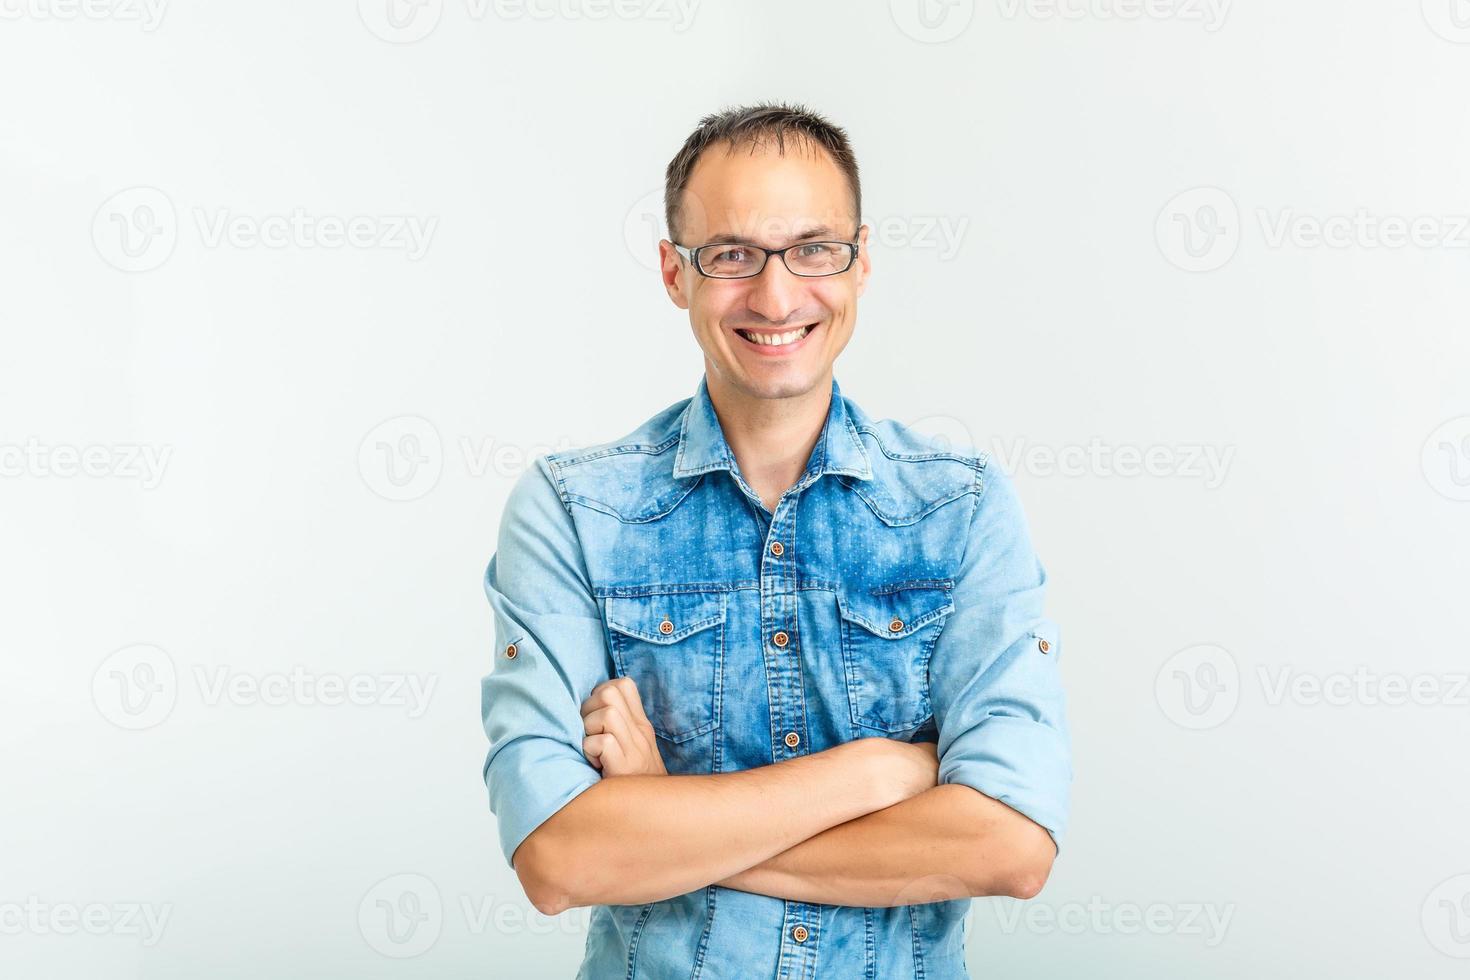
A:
(872, 758)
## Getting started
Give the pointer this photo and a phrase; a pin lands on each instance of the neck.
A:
(772, 438)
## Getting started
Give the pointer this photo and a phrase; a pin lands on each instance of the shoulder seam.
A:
(556, 482)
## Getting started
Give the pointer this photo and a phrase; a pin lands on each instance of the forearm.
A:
(642, 838)
(947, 842)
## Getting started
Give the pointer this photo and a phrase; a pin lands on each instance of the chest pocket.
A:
(887, 637)
(671, 645)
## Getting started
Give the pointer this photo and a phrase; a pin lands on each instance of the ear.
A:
(672, 267)
(864, 260)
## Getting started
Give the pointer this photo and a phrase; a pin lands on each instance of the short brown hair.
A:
(753, 125)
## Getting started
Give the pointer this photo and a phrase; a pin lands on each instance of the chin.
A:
(779, 384)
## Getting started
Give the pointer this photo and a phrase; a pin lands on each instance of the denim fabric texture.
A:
(911, 599)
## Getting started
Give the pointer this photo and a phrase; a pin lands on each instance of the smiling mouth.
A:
(783, 339)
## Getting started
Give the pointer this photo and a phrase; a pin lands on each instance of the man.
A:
(773, 689)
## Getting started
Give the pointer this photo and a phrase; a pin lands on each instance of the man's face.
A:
(763, 197)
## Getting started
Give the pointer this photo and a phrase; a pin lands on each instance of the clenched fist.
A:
(620, 740)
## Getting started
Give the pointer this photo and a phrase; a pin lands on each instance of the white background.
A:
(1094, 236)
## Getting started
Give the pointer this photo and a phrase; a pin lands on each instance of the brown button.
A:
(896, 626)
(510, 652)
(776, 548)
(792, 740)
(666, 627)
(800, 934)
(780, 639)
(1044, 646)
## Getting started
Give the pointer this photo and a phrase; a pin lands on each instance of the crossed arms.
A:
(864, 823)
(871, 822)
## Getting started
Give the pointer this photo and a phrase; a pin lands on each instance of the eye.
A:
(732, 254)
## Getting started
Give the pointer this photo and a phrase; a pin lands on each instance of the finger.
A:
(625, 691)
(602, 695)
(610, 721)
(635, 704)
(592, 749)
(605, 749)
(593, 722)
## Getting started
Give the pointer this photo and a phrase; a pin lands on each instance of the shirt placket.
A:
(781, 646)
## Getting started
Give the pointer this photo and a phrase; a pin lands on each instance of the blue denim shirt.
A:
(911, 599)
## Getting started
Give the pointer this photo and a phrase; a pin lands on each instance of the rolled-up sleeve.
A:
(994, 679)
(531, 700)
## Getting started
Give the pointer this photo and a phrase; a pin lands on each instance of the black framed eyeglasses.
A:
(732, 260)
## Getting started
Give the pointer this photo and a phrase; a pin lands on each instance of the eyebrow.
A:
(820, 231)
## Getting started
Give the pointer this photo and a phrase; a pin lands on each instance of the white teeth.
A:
(777, 339)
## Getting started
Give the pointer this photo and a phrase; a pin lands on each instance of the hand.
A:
(620, 739)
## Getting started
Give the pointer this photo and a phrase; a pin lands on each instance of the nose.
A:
(775, 294)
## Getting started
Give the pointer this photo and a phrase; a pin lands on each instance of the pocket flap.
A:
(894, 612)
(667, 617)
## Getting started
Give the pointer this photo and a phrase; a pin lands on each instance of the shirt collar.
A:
(702, 445)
